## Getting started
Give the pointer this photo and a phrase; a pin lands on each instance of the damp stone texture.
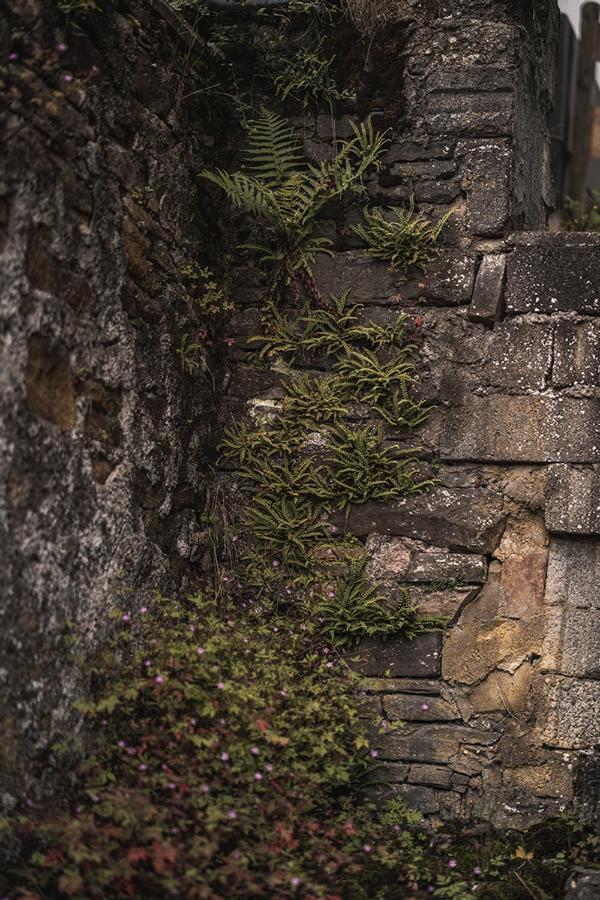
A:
(103, 436)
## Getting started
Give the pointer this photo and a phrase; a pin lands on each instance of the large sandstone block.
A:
(573, 500)
(532, 428)
(554, 274)
(572, 579)
(469, 518)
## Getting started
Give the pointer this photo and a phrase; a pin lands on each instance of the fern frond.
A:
(406, 239)
(249, 193)
(272, 151)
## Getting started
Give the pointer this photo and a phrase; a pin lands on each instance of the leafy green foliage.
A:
(364, 467)
(287, 193)
(584, 217)
(218, 766)
(306, 77)
(355, 610)
(404, 239)
(78, 7)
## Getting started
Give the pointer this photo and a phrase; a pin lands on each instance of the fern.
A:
(287, 528)
(356, 610)
(284, 190)
(364, 467)
(408, 239)
(313, 401)
(368, 376)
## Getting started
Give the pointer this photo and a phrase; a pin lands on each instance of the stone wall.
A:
(500, 711)
(103, 436)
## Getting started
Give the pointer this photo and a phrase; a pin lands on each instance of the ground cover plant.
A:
(220, 767)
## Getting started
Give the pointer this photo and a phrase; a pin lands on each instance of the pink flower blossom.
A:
(258, 776)
(67, 78)
(296, 882)
(147, 662)
(232, 814)
(200, 651)
(254, 751)
(205, 789)
(367, 848)
(224, 756)
(120, 743)
(159, 679)
(61, 47)
(13, 56)
(220, 685)
(268, 767)
(171, 785)
(477, 870)
(374, 753)
(142, 767)
(125, 617)
(452, 863)
(424, 706)
(143, 609)
(275, 564)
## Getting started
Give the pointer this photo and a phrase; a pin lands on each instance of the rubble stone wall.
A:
(104, 438)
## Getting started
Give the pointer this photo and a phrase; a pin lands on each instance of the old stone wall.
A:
(501, 712)
(103, 436)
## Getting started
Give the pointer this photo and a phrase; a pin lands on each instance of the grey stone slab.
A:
(550, 277)
(413, 561)
(407, 151)
(577, 353)
(488, 294)
(573, 574)
(532, 428)
(464, 518)
(436, 776)
(520, 356)
(573, 500)
(435, 743)
(400, 658)
(583, 884)
(487, 182)
(572, 716)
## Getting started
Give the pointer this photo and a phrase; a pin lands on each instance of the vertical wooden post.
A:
(586, 79)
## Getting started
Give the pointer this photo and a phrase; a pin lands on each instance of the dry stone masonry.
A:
(502, 712)
(104, 440)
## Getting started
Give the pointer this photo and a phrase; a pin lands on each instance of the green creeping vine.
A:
(286, 193)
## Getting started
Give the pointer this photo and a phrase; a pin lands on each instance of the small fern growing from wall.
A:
(286, 193)
(405, 239)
